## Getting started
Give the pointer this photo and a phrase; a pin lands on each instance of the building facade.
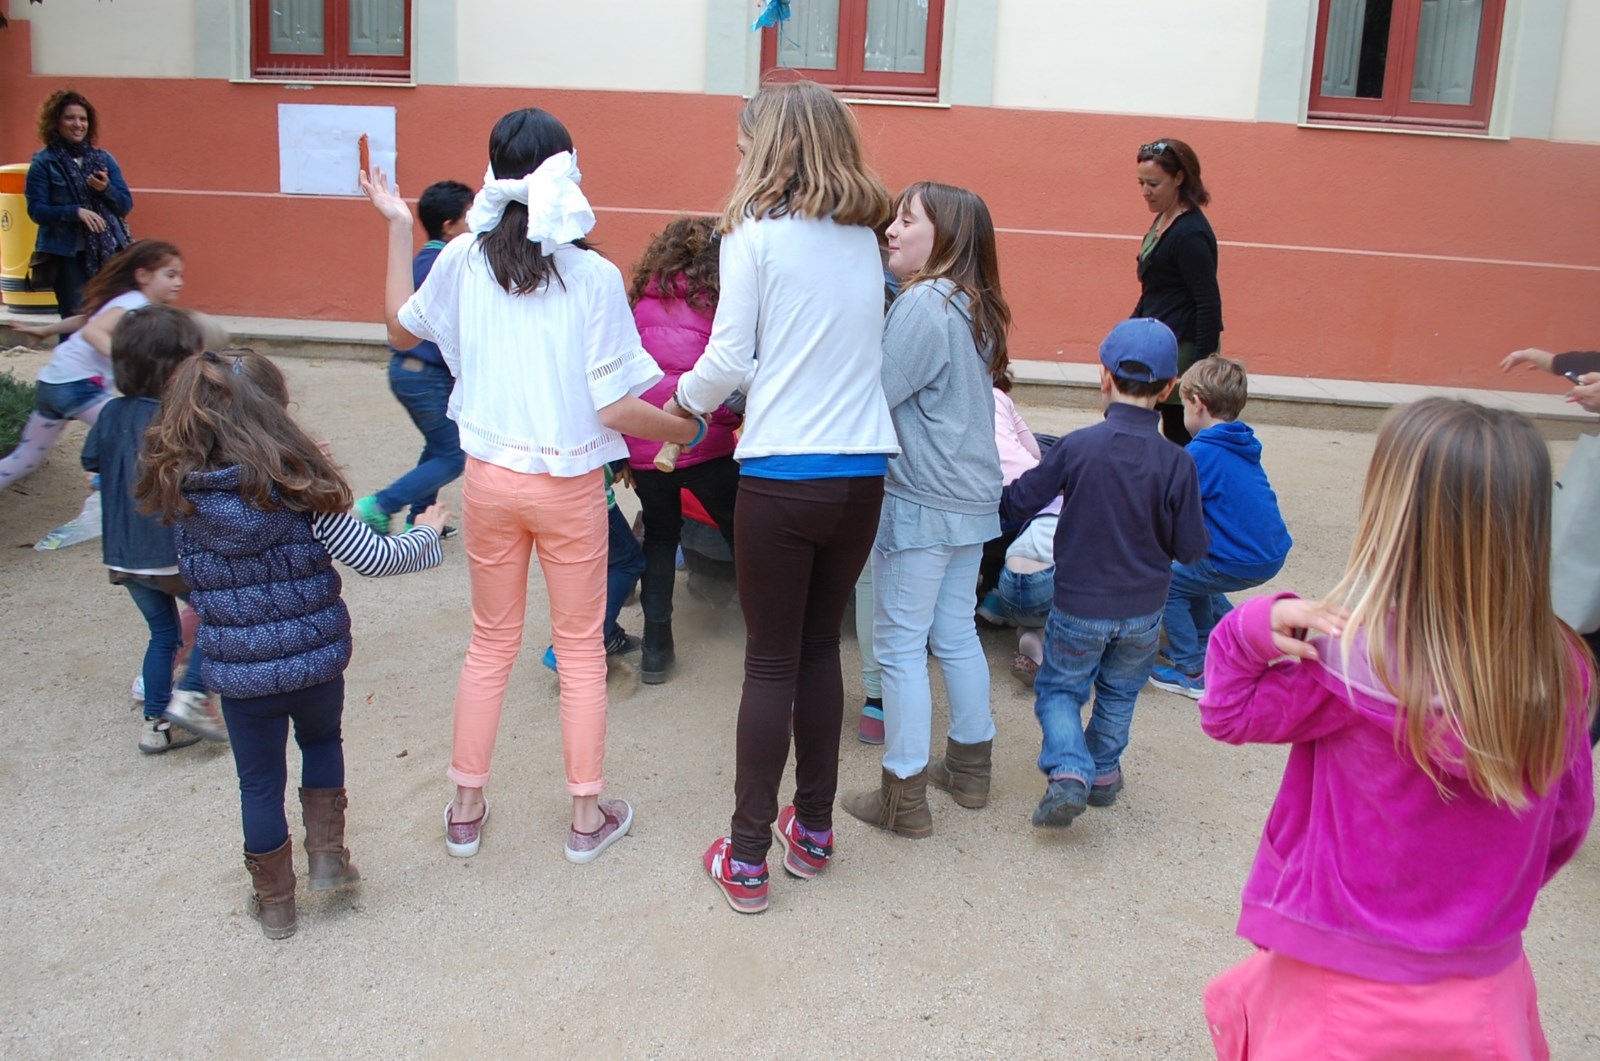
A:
(1402, 190)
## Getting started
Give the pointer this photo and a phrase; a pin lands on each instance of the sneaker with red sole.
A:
(802, 857)
(746, 894)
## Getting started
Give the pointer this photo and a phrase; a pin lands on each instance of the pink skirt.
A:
(1270, 1006)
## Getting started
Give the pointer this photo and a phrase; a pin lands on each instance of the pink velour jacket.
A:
(1364, 867)
(675, 334)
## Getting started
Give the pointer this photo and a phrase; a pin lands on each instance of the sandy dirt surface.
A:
(126, 934)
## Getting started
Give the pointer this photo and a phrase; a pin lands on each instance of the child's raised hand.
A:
(1293, 618)
(384, 198)
(434, 516)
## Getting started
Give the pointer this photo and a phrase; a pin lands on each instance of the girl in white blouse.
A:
(536, 329)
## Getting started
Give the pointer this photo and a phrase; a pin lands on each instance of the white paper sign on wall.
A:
(317, 146)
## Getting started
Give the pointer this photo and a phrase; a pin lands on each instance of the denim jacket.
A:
(53, 208)
(132, 540)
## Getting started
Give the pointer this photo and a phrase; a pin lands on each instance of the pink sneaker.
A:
(586, 847)
(802, 857)
(746, 894)
(461, 839)
(871, 729)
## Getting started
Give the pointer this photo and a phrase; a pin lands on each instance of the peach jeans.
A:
(506, 517)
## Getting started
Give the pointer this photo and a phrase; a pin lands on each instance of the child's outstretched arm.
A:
(353, 543)
(398, 284)
(1029, 492)
(1254, 694)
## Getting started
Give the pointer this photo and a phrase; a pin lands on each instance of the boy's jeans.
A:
(624, 565)
(1195, 604)
(1110, 658)
(1026, 597)
(424, 389)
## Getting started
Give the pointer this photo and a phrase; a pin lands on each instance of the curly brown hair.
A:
(688, 248)
(233, 408)
(50, 115)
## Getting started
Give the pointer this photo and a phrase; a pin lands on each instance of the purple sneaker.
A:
(461, 839)
(586, 847)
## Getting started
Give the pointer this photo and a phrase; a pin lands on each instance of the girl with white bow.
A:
(536, 329)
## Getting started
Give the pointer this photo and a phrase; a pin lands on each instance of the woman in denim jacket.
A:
(77, 197)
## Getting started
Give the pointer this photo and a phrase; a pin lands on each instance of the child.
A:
(799, 329)
(944, 345)
(151, 342)
(1249, 541)
(536, 330)
(1132, 506)
(259, 514)
(72, 384)
(674, 296)
(1438, 771)
(420, 381)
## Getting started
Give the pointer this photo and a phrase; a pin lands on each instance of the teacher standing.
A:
(1178, 263)
(77, 197)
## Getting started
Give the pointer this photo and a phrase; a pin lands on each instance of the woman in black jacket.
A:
(1178, 262)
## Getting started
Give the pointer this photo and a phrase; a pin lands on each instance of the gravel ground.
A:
(127, 935)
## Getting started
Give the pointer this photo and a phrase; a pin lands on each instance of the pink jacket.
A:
(1363, 868)
(675, 334)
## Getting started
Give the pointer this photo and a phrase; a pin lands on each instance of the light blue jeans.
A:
(924, 599)
(1109, 659)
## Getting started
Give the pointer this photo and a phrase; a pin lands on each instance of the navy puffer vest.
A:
(271, 617)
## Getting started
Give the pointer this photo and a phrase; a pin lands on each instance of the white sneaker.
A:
(161, 736)
(137, 691)
(197, 713)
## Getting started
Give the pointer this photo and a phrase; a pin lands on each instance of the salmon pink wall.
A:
(1356, 255)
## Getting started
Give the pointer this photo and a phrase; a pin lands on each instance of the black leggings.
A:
(715, 484)
(801, 545)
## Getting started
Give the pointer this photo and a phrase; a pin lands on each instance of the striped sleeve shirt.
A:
(352, 542)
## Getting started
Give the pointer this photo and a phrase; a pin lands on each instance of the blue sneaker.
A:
(992, 613)
(550, 657)
(1174, 680)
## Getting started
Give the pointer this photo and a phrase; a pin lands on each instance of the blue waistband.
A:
(816, 466)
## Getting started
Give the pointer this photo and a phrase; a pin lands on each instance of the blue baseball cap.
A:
(1140, 349)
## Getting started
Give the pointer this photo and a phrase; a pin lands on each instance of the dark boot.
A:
(963, 772)
(898, 805)
(657, 654)
(322, 809)
(272, 902)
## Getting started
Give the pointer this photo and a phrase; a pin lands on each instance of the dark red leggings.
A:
(799, 547)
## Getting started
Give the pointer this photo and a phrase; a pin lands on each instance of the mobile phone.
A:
(1575, 377)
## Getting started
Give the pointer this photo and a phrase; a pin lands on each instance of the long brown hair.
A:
(120, 274)
(50, 115)
(229, 409)
(688, 249)
(1450, 568)
(964, 253)
(804, 160)
(518, 143)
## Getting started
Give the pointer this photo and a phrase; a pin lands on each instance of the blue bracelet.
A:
(700, 434)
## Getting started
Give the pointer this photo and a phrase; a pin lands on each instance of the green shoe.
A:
(368, 512)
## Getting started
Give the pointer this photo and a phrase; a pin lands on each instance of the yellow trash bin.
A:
(17, 233)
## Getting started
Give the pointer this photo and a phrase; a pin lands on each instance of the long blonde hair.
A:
(804, 160)
(1449, 586)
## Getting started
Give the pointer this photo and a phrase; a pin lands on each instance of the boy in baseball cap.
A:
(1131, 507)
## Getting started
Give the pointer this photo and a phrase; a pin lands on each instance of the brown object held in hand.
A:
(366, 155)
(667, 459)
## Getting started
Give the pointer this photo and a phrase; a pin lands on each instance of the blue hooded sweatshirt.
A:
(1248, 536)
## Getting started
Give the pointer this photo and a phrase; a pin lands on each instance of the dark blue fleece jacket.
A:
(1248, 536)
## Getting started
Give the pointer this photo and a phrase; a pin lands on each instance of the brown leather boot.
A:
(272, 902)
(899, 805)
(963, 772)
(322, 809)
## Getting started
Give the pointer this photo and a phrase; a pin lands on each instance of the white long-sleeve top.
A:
(799, 328)
(533, 370)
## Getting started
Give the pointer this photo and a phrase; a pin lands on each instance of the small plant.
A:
(16, 403)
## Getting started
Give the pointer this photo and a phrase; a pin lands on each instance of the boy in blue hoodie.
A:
(1249, 541)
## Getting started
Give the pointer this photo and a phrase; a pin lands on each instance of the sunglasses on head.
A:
(216, 359)
(1160, 147)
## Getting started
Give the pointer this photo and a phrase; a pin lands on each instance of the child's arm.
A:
(1033, 489)
(61, 327)
(91, 447)
(1190, 539)
(915, 344)
(1255, 696)
(398, 285)
(729, 358)
(1574, 792)
(352, 542)
(97, 333)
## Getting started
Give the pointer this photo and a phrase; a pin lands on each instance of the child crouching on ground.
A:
(260, 513)
(1249, 541)
(1132, 506)
(151, 342)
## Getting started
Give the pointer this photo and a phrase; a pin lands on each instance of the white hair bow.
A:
(557, 211)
